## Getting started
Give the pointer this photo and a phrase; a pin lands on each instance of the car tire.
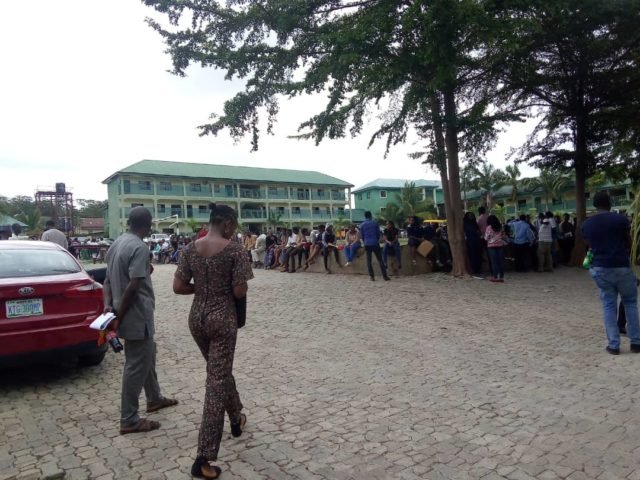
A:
(91, 360)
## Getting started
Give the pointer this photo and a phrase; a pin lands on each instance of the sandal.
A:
(143, 425)
(237, 427)
(160, 404)
(197, 469)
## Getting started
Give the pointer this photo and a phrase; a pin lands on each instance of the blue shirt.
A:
(370, 233)
(522, 233)
(607, 236)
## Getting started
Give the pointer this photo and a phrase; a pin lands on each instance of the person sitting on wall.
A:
(316, 246)
(329, 245)
(353, 244)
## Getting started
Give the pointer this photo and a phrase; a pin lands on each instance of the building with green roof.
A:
(375, 195)
(175, 191)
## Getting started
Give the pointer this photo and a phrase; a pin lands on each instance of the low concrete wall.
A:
(359, 266)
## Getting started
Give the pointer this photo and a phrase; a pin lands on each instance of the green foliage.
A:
(488, 180)
(552, 185)
(273, 219)
(513, 180)
(392, 213)
(32, 217)
(576, 62)
(91, 208)
(193, 224)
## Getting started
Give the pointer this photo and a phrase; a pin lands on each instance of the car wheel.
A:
(92, 359)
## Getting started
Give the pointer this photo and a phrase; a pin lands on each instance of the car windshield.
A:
(32, 263)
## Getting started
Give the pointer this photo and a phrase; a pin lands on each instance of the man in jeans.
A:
(608, 236)
(370, 233)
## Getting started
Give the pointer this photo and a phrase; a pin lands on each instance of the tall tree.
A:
(513, 180)
(576, 62)
(488, 180)
(427, 66)
(551, 184)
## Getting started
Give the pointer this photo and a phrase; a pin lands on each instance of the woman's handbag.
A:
(241, 311)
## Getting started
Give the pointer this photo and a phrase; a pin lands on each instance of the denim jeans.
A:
(613, 282)
(351, 250)
(496, 255)
(395, 246)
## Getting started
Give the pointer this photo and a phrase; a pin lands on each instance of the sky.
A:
(85, 92)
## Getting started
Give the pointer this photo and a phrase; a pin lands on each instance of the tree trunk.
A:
(454, 215)
(580, 249)
(452, 201)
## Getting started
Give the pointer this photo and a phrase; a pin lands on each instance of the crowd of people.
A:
(541, 244)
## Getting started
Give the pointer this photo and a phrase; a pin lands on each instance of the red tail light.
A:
(88, 290)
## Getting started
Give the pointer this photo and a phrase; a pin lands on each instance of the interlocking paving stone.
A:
(344, 379)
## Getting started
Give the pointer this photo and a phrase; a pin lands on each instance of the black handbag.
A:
(241, 311)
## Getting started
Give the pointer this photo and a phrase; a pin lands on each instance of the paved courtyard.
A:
(418, 378)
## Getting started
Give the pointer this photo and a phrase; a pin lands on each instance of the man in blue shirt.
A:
(370, 233)
(608, 236)
(522, 240)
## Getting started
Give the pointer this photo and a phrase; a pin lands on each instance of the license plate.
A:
(24, 308)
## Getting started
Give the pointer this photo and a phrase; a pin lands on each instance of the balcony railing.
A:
(135, 189)
(224, 193)
(338, 196)
(322, 197)
(283, 214)
(279, 195)
(322, 215)
(300, 196)
(172, 191)
(302, 213)
(198, 215)
(248, 214)
(620, 201)
(251, 193)
(205, 191)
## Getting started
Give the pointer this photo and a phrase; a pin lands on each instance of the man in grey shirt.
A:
(52, 234)
(129, 293)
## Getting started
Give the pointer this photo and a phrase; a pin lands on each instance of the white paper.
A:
(103, 321)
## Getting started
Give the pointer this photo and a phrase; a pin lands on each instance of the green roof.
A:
(228, 172)
(393, 183)
(6, 220)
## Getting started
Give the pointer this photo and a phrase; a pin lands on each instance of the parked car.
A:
(47, 301)
(156, 237)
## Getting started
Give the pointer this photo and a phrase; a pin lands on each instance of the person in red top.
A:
(202, 232)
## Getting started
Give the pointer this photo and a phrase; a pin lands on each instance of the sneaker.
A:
(613, 351)
(477, 277)
(347, 264)
(635, 348)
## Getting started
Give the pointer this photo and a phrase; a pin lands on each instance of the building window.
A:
(340, 210)
(296, 210)
(320, 193)
(382, 209)
(368, 195)
(176, 209)
(522, 203)
(316, 209)
(134, 205)
(383, 194)
(144, 185)
(359, 196)
(164, 186)
(203, 209)
(328, 210)
(216, 188)
(196, 187)
(280, 210)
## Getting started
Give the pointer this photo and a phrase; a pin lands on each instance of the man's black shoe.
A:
(635, 348)
(613, 351)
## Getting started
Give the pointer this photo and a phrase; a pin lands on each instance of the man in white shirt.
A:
(52, 234)
(257, 253)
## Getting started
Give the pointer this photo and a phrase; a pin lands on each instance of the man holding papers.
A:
(128, 293)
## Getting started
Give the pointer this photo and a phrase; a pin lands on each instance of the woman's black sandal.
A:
(197, 471)
(237, 427)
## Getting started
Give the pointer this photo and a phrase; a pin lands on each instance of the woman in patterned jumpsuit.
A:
(220, 270)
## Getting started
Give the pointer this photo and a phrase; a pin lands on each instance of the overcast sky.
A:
(85, 91)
